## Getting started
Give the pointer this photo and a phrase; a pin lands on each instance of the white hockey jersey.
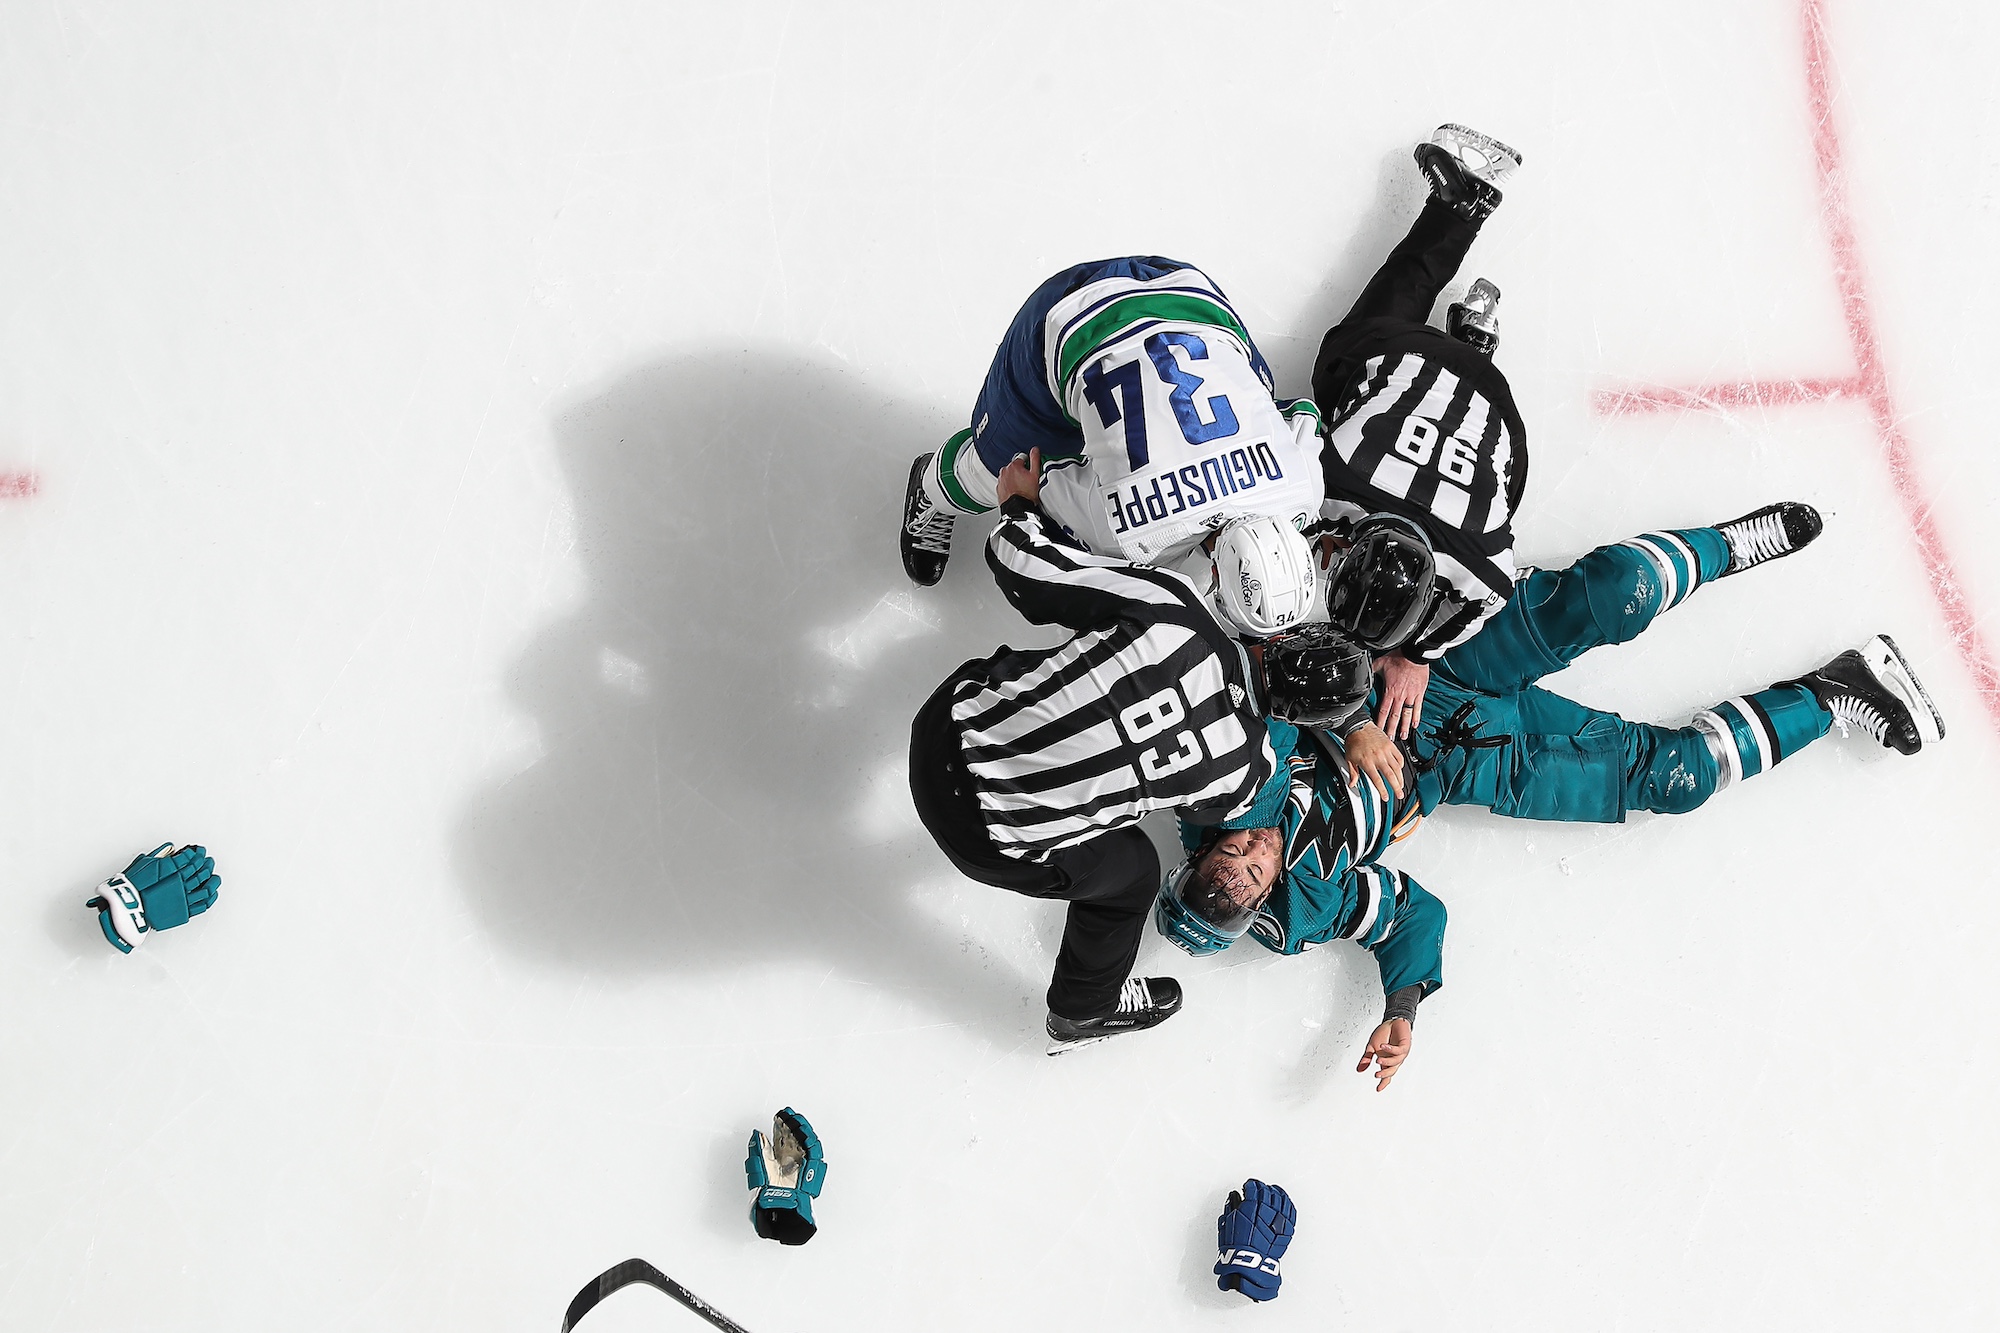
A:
(1181, 431)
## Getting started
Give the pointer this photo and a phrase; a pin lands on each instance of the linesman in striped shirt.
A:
(1421, 425)
(1032, 768)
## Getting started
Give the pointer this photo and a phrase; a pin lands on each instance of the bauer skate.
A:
(1475, 321)
(1465, 169)
(1143, 1002)
(1873, 689)
(1769, 533)
(926, 538)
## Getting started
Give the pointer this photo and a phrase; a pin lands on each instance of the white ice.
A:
(467, 442)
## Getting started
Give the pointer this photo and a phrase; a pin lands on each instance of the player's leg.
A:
(1872, 689)
(1609, 596)
(1583, 765)
(1014, 413)
(1566, 762)
(1612, 594)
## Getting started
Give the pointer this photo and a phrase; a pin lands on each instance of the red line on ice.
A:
(1868, 383)
(17, 485)
(1742, 393)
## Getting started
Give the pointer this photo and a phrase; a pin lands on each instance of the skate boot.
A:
(1465, 169)
(1873, 688)
(1143, 1002)
(926, 529)
(1475, 321)
(1769, 533)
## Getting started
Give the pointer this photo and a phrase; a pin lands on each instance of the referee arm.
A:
(1051, 581)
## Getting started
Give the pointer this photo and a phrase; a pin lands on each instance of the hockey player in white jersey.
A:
(1155, 416)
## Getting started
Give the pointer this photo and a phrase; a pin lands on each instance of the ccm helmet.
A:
(1199, 918)
(1384, 584)
(1316, 676)
(1265, 576)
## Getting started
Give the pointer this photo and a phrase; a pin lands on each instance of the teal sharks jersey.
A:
(1333, 886)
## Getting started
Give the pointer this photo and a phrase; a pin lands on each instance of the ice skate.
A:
(1769, 533)
(1465, 169)
(926, 538)
(1475, 321)
(1873, 689)
(1143, 1002)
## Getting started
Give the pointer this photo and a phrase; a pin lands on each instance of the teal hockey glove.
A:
(158, 891)
(785, 1173)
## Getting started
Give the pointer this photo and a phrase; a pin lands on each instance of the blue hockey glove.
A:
(1253, 1231)
(785, 1172)
(158, 891)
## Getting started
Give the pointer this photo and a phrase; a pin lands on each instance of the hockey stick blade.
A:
(623, 1275)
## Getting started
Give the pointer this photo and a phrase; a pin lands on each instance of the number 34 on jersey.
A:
(1180, 434)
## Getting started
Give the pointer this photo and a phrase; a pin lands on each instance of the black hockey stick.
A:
(638, 1270)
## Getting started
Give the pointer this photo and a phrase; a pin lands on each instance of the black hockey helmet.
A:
(1383, 587)
(1316, 676)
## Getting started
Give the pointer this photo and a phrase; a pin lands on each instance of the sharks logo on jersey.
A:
(1334, 831)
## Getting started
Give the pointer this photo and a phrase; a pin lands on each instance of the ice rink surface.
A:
(449, 464)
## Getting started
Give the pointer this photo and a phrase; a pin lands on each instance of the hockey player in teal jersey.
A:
(1491, 735)
(1154, 413)
(1302, 865)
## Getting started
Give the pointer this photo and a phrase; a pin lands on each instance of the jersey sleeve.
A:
(1301, 414)
(1393, 917)
(1408, 938)
(1050, 581)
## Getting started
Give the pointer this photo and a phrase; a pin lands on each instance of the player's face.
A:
(1244, 864)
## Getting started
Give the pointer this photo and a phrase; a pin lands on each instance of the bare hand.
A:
(1023, 476)
(1370, 752)
(1388, 1047)
(1403, 684)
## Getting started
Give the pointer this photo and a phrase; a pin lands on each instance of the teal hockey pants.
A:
(1491, 736)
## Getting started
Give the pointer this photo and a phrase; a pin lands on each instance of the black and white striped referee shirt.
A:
(1433, 435)
(1149, 706)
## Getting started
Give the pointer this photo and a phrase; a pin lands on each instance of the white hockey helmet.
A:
(1266, 579)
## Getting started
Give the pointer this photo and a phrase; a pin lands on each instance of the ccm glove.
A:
(1253, 1231)
(785, 1173)
(158, 891)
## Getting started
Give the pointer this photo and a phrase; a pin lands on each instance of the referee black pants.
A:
(1109, 882)
(1414, 275)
